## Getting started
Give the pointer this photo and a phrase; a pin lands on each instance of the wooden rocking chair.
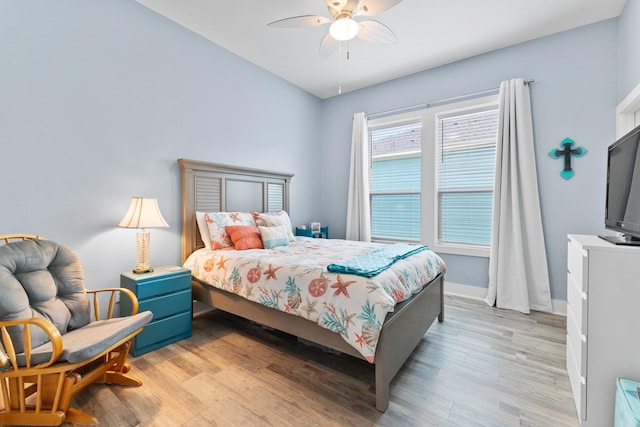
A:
(51, 344)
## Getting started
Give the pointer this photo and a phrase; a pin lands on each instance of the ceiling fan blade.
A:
(374, 7)
(376, 32)
(300, 21)
(335, 6)
(328, 46)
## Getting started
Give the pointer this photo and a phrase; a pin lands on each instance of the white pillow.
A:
(272, 219)
(203, 229)
(274, 236)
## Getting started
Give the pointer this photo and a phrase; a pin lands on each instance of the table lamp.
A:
(143, 213)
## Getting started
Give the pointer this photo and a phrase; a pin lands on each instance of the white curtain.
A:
(358, 211)
(518, 274)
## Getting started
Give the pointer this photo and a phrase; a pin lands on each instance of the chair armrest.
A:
(112, 300)
(9, 348)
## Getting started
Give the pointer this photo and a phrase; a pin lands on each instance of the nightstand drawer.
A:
(162, 286)
(165, 331)
(167, 305)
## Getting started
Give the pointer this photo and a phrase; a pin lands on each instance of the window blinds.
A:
(395, 182)
(466, 145)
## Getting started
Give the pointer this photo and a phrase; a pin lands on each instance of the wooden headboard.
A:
(211, 187)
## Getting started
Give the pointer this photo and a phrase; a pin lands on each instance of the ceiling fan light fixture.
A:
(344, 29)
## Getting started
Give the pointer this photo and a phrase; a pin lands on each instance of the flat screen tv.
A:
(622, 207)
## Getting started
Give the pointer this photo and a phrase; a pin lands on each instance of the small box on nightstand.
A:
(166, 292)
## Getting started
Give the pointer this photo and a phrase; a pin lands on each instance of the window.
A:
(396, 159)
(432, 176)
(466, 150)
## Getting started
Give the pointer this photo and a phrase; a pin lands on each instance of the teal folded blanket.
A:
(375, 262)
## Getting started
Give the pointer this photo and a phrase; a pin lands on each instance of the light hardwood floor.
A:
(481, 367)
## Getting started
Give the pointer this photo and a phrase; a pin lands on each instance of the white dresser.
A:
(603, 324)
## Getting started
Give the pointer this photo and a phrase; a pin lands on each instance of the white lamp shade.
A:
(143, 213)
(344, 29)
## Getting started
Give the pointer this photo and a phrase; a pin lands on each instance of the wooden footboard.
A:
(401, 333)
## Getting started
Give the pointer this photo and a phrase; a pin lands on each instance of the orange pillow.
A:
(244, 236)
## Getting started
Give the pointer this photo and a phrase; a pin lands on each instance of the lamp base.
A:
(142, 252)
(142, 270)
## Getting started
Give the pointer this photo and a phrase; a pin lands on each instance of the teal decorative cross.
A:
(567, 151)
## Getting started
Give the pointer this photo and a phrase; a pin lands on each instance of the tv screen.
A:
(622, 209)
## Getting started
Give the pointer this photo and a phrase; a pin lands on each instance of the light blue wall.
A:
(99, 98)
(97, 101)
(574, 95)
(629, 48)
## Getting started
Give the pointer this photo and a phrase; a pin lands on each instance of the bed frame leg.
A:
(382, 388)
(441, 315)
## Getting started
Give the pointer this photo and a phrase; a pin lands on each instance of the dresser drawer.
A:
(578, 383)
(167, 305)
(577, 266)
(578, 342)
(577, 303)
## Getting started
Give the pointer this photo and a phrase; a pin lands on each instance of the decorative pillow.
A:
(272, 219)
(274, 236)
(203, 229)
(216, 223)
(245, 236)
(42, 279)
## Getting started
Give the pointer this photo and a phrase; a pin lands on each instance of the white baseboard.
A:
(477, 293)
(559, 307)
(467, 291)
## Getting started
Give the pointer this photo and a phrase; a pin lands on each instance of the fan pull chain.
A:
(340, 65)
(339, 68)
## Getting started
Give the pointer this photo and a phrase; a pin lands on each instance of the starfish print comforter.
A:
(294, 279)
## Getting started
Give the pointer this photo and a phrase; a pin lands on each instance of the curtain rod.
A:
(439, 102)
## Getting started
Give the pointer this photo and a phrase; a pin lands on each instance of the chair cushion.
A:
(40, 278)
(91, 340)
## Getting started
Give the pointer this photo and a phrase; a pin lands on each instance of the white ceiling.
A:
(430, 33)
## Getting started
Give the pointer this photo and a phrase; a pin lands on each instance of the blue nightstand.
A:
(167, 293)
(323, 234)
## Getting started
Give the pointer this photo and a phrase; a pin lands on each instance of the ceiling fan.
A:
(343, 25)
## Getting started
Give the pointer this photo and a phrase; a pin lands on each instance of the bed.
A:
(209, 187)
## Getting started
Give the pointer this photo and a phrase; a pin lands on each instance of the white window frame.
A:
(430, 225)
(400, 120)
(429, 209)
